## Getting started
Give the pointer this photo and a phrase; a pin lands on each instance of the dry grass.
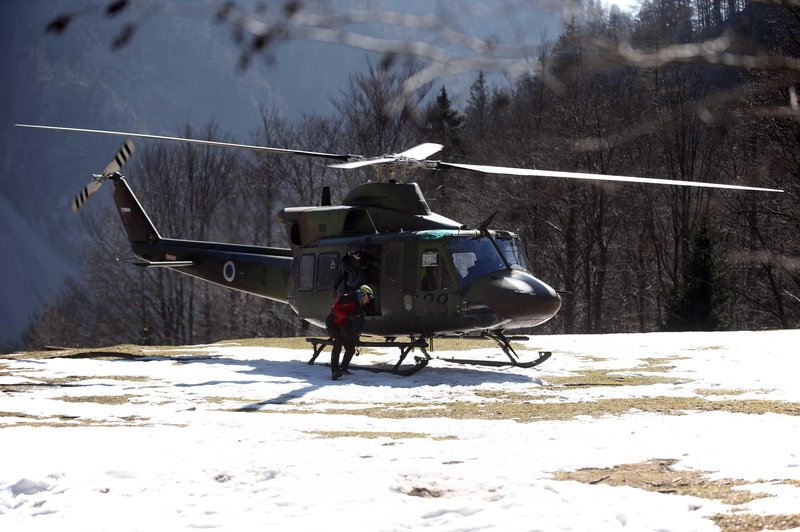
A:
(742, 522)
(376, 434)
(131, 351)
(625, 377)
(62, 421)
(121, 352)
(99, 399)
(658, 475)
(522, 408)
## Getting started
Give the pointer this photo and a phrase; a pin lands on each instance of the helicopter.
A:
(437, 278)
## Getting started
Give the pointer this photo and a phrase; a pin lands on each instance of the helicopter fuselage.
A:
(429, 282)
(434, 278)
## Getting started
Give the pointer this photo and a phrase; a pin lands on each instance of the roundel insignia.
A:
(229, 271)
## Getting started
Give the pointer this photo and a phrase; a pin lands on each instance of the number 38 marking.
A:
(441, 301)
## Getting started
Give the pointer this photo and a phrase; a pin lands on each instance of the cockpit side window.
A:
(474, 257)
(514, 252)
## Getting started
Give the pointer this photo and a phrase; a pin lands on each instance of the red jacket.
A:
(347, 310)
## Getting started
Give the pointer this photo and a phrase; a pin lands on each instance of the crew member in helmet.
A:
(344, 324)
(355, 269)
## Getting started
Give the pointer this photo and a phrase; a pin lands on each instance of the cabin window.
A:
(327, 269)
(305, 272)
(434, 274)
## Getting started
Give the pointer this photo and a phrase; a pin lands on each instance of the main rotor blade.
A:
(340, 157)
(364, 162)
(417, 153)
(597, 177)
(422, 151)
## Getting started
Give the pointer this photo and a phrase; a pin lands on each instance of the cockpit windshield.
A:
(474, 257)
(513, 250)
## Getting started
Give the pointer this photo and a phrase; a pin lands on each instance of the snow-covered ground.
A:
(253, 438)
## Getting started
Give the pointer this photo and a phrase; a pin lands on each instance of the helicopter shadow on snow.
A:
(317, 376)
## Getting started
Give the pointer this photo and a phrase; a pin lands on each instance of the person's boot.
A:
(345, 363)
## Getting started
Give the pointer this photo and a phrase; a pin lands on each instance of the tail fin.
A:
(137, 224)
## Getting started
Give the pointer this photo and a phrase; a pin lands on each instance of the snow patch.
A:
(26, 486)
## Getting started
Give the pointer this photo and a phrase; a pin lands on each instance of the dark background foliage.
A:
(699, 90)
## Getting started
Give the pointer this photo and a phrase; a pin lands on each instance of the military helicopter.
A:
(437, 277)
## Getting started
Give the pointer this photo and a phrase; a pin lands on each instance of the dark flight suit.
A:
(344, 323)
(353, 273)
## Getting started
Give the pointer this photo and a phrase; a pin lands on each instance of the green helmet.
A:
(365, 290)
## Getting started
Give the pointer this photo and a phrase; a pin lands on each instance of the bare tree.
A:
(681, 92)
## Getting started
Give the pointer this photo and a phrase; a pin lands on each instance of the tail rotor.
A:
(113, 168)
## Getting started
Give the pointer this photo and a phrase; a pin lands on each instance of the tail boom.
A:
(261, 271)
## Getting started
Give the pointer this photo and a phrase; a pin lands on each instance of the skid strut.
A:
(319, 344)
(503, 341)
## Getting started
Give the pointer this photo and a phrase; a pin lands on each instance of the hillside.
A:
(180, 67)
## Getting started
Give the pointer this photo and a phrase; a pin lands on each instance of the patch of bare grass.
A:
(525, 409)
(132, 351)
(99, 399)
(23, 419)
(718, 392)
(35, 383)
(376, 434)
(117, 352)
(658, 364)
(658, 475)
(743, 522)
(636, 376)
(600, 377)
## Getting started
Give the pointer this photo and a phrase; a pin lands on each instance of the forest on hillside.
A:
(697, 90)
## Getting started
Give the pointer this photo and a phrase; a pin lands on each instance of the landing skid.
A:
(543, 355)
(398, 369)
(420, 362)
(505, 344)
(403, 371)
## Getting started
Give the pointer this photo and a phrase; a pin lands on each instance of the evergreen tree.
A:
(477, 110)
(697, 303)
(444, 123)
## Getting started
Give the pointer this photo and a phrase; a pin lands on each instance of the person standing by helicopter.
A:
(344, 324)
(354, 270)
